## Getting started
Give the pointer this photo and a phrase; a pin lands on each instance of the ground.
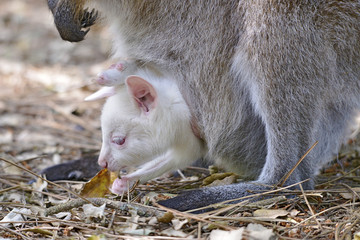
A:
(44, 121)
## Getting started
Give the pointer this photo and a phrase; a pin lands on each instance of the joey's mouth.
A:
(118, 170)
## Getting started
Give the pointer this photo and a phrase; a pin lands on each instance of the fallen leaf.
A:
(63, 215)
(39, 185)
(189, 179)
(37, 210)
(15, 197)
(149, 197)
(99, 185)
(228, 235)
(252, 231)
(258, 231)
(294, 213)
(177, 224)
(8, 168)
(92, 211)
(153, 221)
(16, 216)
(39, 231)
(174, 233)
(219, 176)
(132, 221)
(140, 232)
(166, 218)
(215, 225)
(97, 237)
(350, 195)
(315, 195)
(270, 213)
(226, 181)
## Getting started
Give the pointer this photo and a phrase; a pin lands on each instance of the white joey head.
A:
(145, 124)
(129, 137)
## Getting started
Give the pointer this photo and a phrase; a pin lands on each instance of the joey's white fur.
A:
(158, 136)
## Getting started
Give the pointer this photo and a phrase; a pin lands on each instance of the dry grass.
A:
(44, 121)
(330, 212)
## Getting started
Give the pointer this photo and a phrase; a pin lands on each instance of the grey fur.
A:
(264, 79)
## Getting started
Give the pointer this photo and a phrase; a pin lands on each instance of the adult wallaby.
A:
(264, 80)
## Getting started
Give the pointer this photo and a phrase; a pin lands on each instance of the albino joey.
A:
(145, 124)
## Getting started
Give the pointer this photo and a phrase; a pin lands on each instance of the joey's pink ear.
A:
(143, 92)
(101, 93)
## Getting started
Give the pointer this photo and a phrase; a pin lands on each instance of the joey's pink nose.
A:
(102, 162)
(101, 80)
(104, 157)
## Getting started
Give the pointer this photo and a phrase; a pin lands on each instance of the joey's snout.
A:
(103, 159)
(103, 163)
(106, 160)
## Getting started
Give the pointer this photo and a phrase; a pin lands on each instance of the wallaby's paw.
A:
(206, 196)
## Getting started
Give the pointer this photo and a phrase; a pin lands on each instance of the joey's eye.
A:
(118, 140)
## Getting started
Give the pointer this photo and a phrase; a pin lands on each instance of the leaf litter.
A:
(44, 121)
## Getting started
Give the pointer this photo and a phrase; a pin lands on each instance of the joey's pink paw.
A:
(120, 186)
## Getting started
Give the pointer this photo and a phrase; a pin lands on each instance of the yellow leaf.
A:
(357, 236)
(166, 218)
(40, 231)
(99, 185)
(270, 213)
(218, 176)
